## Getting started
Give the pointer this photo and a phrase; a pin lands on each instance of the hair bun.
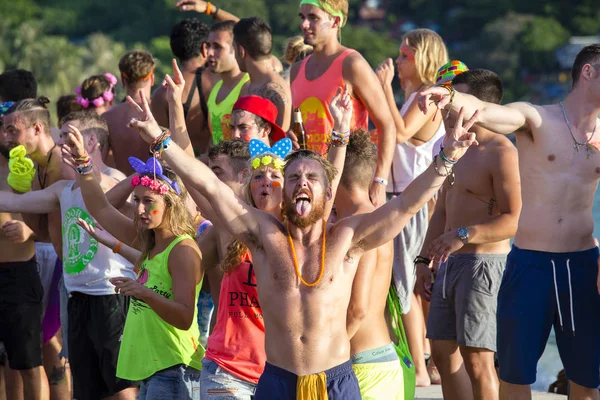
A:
(43, 100)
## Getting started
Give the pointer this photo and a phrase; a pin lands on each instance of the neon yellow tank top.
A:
(220, 114)
(150, 344)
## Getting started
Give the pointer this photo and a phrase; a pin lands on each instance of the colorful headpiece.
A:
(449, 71)
(263, 155)
(108, 95)
(152, 167)
(327, 8)
(4, 108)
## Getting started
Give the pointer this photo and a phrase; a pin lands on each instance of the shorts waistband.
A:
(574, 256)
(379, 366)
(378, 355)
(477, 257)
(332, 373)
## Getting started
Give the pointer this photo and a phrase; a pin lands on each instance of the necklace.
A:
(323, 242)
(588, 148)
(41, 181)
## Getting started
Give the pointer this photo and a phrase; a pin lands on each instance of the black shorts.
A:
(95, 328)
(21, 294)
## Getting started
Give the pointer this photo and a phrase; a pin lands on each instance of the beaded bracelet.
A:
(382, 181)
(85, 169)
(340, 139)
(451, 93)
(158, 143)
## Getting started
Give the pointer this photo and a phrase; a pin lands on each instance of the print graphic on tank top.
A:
(82, 247)
(314, 117)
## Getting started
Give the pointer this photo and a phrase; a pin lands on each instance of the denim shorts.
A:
(179, 382)
(218, 384)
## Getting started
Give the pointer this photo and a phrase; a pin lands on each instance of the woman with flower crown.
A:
(97, 92)
(160, 344)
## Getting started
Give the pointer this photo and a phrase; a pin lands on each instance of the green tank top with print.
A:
(220, 114)
(149, 343)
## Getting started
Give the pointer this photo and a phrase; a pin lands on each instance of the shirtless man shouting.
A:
(305, 284)
(552, 270)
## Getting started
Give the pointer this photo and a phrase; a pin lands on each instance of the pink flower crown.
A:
(107, 96)
(153, 184)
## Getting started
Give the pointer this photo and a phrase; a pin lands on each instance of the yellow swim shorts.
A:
(380, 381)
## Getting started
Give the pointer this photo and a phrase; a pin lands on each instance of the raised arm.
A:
(382, 225)
(177, 125)
(413, 120)
(505, 119)
(200, 6)
(507, 191)
(95, 200)
(241, 220)
(341, 111)
(366, 87)
(33, 202)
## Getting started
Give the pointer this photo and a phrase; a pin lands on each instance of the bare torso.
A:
(558, 187)
(9, 250)
(305, 327)
(124, 142)
(373, 332)
(471, 200)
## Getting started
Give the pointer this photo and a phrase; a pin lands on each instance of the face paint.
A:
(276, 184)
(255, 184)
(153, 209)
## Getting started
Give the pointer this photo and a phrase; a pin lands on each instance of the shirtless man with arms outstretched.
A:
(305, 285)
(552, 270)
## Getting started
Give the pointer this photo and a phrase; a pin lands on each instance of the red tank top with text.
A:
(237, 343)
(313, 98)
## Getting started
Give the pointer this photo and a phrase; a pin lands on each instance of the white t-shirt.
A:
(85, 261)
(411, 161)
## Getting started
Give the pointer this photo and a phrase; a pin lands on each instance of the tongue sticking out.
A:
(302, 207)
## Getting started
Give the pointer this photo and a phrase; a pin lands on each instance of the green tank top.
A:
(149, 343)
(220, 114)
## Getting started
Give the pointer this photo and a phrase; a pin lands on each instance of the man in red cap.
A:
(254, 117)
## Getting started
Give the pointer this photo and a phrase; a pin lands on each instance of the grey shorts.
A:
(465, 298)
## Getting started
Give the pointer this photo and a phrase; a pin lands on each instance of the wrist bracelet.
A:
(382, 181)
(436, 168)
(207, 12)
(445, 158)
(340, 139)
(117, 247)
(421, 260)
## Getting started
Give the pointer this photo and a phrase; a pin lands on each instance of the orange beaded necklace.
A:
(323, 243)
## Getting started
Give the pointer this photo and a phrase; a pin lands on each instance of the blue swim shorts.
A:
(540, 290)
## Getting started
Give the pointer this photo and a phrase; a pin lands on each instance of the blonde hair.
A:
(236, 250)
(430, 52)
(176, 217)
(337, 5)
(296, 50)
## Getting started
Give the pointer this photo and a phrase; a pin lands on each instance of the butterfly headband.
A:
(263, 155)
(152, 167)
(107, 96)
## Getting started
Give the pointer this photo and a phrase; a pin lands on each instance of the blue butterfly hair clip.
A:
(261, 153)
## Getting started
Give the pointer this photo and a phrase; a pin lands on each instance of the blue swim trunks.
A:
(335, 383)
(540, 290)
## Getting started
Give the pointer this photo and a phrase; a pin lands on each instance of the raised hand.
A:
(73, 147)
(459, 139)
(436, 95)
(385, 72)
(99, 234)
(340, 108)
(174, 85)
(147, 127)
(192, 5)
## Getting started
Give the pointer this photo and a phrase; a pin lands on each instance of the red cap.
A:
(263, 108)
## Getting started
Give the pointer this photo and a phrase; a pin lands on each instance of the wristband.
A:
(382, 181)
(117, 247)
(207, 12)
(445, 158)
(340, 139)
(421, 260)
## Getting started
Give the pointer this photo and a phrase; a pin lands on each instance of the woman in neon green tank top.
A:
(160, 344)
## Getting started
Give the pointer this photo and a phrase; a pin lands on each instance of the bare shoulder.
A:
(160, 93)
(114, 174)
(355, 63)
(276, 92)
(185, 250)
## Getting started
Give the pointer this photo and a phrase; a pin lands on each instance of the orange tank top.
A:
(313, 98)
(237, 343)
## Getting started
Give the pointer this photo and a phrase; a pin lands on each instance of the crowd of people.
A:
(184, 242)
